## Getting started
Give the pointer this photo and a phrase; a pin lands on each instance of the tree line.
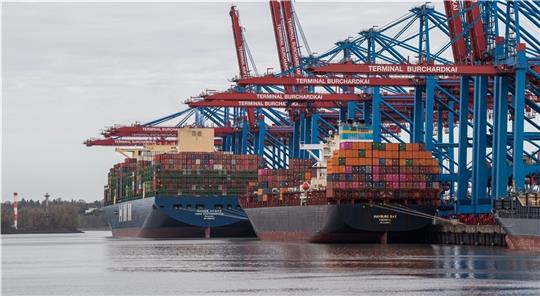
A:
(36, 216)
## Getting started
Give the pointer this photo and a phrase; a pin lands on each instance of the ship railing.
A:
(352, 196)
(529, 199)
(516, 208)
(275, 202)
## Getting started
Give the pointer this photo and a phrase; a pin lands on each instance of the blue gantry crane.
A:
(463, 79)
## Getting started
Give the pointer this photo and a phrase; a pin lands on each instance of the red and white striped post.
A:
(15, 207)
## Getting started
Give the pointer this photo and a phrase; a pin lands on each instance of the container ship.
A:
(519, 215)
(357, 191)
(184, 194)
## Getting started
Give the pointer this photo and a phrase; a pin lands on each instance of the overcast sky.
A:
(71, 69)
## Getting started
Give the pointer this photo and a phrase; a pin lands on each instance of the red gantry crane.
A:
(241, 56)
(455, 28)
(275, 10)
(476, 31)
(292, 40)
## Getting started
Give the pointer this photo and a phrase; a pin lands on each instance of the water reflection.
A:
(95, 264)
(486, 263)
(429, 261)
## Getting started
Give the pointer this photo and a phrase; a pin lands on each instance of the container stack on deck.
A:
(204, 173)
(364, 170)
(401, 173)
(125, 180)
(185, 173)
(270, 180)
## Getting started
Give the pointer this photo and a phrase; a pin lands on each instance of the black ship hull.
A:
(178, 217)
(342, 223)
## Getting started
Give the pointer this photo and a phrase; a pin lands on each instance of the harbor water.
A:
(94, 263)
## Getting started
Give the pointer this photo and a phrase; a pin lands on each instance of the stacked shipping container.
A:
(125, 179)
(398, 170)
(185, 173)
(200, 173)
(299, 171)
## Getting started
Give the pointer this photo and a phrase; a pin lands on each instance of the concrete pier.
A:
(472, 235)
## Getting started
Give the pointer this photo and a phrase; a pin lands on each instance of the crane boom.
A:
(128, 142)
(279, 35)
(455, 28)
(409, 69)
(407, 104)
(331, 81)
(239, 43)
(241, 57)
(155, 131)
(250, 96)
(290, 29)
(266, 104)
(478, 37)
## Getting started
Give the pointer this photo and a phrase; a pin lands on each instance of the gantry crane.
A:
(456, 98)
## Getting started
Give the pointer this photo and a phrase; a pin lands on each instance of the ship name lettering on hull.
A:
(384, 218)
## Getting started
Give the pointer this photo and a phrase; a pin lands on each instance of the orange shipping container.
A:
(392, 147)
